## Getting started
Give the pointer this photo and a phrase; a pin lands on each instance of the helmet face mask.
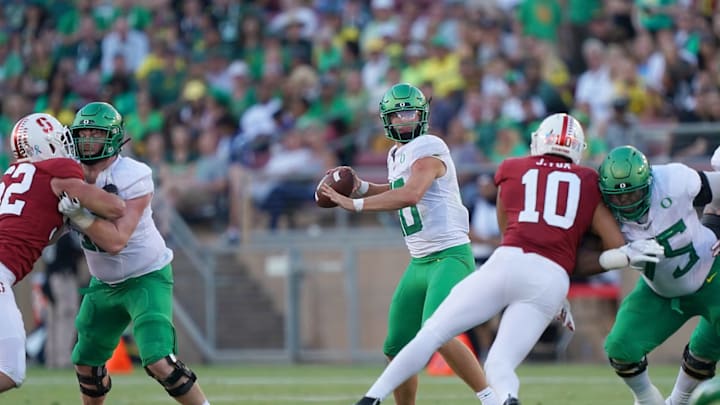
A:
(404, 112)
(559, 134)
(41, 136)
(625, 180)
(98, 132)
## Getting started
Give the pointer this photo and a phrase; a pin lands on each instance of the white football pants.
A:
(531, 289)
(12, 331)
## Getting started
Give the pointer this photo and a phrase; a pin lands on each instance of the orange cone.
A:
(437, 365)
(120, 362)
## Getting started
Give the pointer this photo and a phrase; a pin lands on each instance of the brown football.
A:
(340, 179)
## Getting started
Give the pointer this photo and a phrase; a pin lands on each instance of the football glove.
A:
(564, 316)
(643, 251)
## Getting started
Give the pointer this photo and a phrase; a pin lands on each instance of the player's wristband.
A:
(83, 219)
(363, 189)
(359, 204)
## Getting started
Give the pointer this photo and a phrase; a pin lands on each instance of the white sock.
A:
(206, 402)
(642, 388)
(488, 397)
(684, 386)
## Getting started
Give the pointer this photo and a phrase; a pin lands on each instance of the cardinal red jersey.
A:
(28, 211)
(549, 203)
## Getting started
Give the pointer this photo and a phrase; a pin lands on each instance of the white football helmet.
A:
(41, 136)
(559, 134)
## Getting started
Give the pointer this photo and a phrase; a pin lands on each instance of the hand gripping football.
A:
(340, 179)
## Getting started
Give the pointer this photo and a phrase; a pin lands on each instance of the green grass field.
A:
(547, 384)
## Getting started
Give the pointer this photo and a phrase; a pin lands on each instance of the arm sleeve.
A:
(705, 195)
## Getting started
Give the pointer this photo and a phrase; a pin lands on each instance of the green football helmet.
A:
(400, 98)
(98, 115)
(625, 179)
(707, 393)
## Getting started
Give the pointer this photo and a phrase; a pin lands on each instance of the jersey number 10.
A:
(552, 190)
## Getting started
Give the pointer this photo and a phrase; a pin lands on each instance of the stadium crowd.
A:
(230, 100)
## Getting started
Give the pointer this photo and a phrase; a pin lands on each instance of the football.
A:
(339, 179)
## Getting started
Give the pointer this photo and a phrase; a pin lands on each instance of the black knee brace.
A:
(627, 370)
(180, 370)
(697, 368)
(96, 380)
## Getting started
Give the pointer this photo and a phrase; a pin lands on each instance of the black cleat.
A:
(511, 401)
(368, 401)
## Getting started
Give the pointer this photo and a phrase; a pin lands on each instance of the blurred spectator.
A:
(384, 24)
(620, 126)
(131, 44)
(594, 86)
(509, 142)
(580, 13)
(289, 177)
(198, 193)
(145, 119)
(540, 19)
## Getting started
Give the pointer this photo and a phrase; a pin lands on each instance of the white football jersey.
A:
(146, 250)
(440, 220)
(674, 223)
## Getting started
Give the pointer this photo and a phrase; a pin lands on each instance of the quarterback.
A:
(43, 176)
(423, 188)
(130, 267)
(660, 202)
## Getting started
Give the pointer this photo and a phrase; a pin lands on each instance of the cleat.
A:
(368, 401)
(511, 401)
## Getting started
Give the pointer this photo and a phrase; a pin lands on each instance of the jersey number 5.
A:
(27, 171)
(550, 209)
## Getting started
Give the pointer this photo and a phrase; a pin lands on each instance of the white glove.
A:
(565, 317)
(76, 213)
(642, 251)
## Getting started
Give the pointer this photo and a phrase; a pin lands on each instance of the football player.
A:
(546, 202)
(30, 191)
(423, 188)
(130, 267)
(659, 202)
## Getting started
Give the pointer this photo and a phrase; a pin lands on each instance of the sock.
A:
(488, 397)
(684, 386)
(642, 389)
(206, 402)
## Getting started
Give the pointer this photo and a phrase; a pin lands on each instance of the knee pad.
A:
(627, 370)
(180, 370)
(697, 368)
(95, 380)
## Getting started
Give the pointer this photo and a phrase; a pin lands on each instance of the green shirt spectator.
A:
(540, 19)
(654, 15)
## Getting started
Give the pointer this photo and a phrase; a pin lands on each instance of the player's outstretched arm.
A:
(618, 255)
(606, 227)
(95, 199)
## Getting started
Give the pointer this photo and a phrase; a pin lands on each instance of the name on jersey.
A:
(559, 165)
